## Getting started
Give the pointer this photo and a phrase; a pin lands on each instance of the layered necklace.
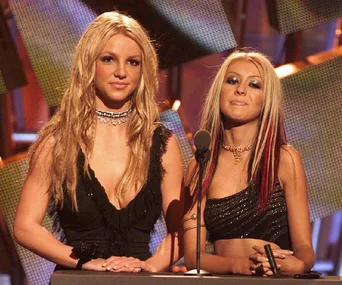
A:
(237, 150)
(113, 118)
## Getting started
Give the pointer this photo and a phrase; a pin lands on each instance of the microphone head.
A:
(202, 139)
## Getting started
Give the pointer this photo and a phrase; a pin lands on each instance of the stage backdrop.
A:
(50, 30)
(11, 70)
(313, 124)
(293, 16)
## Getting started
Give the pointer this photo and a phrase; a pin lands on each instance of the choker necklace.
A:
(113, 118)
(237, 150)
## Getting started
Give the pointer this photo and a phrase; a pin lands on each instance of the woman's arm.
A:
(209, 262)
(170, 250)
(292, 177)
(32, 207)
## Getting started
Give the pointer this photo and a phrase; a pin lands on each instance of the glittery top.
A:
(237, 216)
(99, 229)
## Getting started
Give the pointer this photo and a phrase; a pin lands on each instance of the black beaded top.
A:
(98, 229)
(238, 216)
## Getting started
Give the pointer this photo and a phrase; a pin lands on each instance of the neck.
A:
(111, 133)
(112, 106)
(243, 135)
(113, 118)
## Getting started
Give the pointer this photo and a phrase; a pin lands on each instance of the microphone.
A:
(202, 141)
(271, 260)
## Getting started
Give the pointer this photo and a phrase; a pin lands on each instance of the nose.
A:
(240, 90)
(120, 71)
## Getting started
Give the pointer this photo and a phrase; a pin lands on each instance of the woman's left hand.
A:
(126, 264)
(262, 266)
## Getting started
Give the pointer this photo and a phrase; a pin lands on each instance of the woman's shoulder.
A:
(162, 130)
(168, 138)
(290, 164)
(41, 157)
(163, 137)
(164, 143)
(43, 146)
(289, 156)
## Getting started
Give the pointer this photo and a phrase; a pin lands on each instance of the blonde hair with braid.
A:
(73, 125)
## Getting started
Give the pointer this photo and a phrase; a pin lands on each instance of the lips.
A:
(238, 103)
(119, 85)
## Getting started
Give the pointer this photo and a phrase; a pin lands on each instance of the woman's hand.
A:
(178, 268)
(94, 264)
(126, 264)
(262, 266)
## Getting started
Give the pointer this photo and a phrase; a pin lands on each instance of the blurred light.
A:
(336, 226)
(5, 279)
(288, 69)
(285, 70)
(316, 228)
(176, 105)
(324, 56)
(323, 266)
(24, 137)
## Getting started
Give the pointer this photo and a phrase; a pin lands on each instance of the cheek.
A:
(225, 91)
(135, 78)
(224, 103)
(101, 72)
(260, 100)
(135, 74)
(223, 100)
(257, 98)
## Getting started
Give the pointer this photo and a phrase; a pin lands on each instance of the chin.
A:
(236, 118)
(238, 121)
(119, 96)
(114, 101)
(120, 100)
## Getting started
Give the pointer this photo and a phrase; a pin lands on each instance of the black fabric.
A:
(238, 216)
(98, 229)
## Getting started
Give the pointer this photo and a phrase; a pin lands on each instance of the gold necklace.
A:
(237, 150)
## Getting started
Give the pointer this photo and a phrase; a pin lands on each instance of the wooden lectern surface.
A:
(77, 277)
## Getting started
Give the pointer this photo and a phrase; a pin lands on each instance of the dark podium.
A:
(77, 277)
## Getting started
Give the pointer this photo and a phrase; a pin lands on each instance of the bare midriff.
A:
(239, 247)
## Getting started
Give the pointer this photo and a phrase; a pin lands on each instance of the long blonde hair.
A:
(264, 159)
(73, 126)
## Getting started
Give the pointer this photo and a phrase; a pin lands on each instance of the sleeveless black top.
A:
(98, 229)
(238, 216)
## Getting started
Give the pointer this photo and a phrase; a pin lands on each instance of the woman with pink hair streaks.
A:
(254, 186)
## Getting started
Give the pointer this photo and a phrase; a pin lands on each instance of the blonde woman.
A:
(105, 160)
(254, 186)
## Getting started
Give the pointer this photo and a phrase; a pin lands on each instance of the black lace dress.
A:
(98, 229)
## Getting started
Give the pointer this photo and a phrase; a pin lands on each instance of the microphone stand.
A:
(202, 156)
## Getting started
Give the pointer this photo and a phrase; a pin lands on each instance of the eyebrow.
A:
(114, 54)
(240, 74)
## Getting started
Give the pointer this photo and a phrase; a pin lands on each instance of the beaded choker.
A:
(113, 118)
(237, 150)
